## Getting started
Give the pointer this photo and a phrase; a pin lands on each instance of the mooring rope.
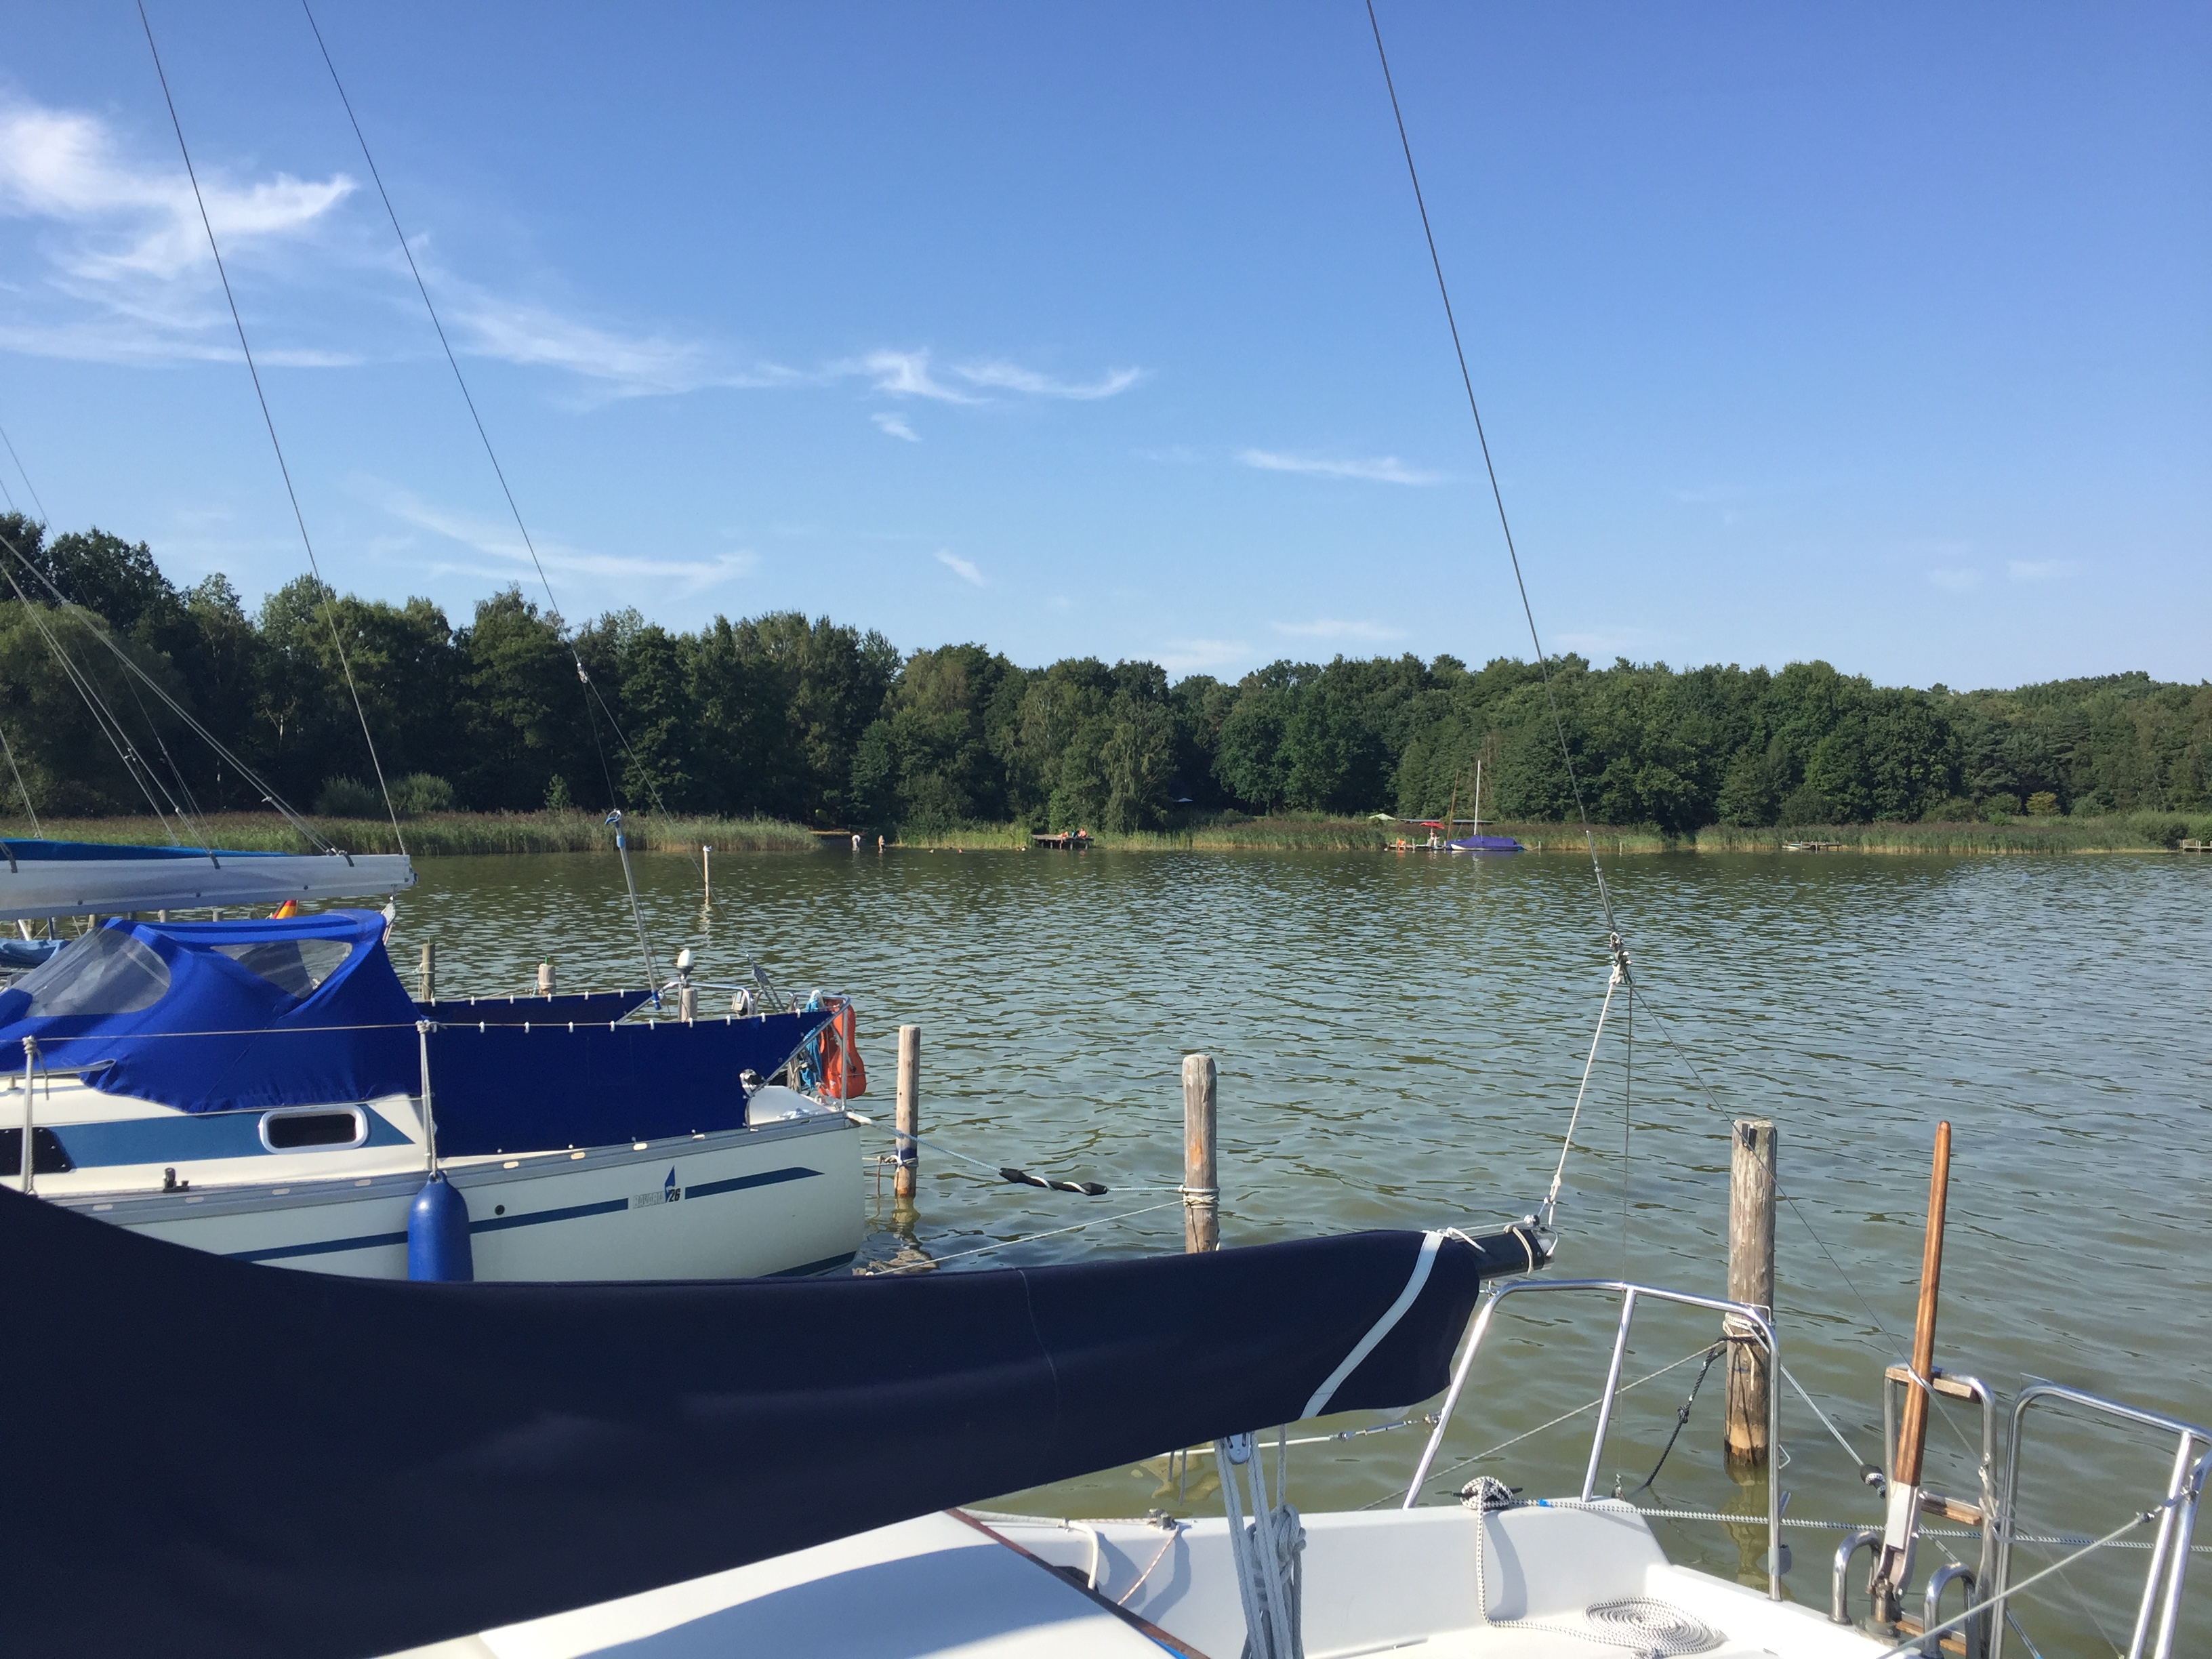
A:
(1008, 1244)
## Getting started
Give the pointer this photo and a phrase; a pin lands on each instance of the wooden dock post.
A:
(427, 975)
(545, 979)
(1888, 1585)
(707, 874)
(1201, 1189)
(907, 1148)
(1751, 1281)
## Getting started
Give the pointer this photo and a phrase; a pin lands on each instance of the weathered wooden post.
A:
(1751, 1281)
(427, 975)
(908, 1150)
(1202, 1190)
(544, 979)
(706, 873)
(1886, 1586)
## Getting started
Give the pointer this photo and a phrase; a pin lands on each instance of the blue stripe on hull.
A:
(326, 1247)
(571, 1212)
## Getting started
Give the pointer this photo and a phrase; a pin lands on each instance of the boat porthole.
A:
(499, 1209)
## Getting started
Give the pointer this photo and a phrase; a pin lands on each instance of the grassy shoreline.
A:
(447, 834)
(2139, 833)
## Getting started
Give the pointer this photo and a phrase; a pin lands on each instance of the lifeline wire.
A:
(1637, 994)
(1497, 494)
(328, 594)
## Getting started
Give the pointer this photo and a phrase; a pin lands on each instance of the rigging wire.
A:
(29, 811)
(27, 484)
(1497, 494)
(93, 624)
(328, 595)
(590, 692)
(111, 728)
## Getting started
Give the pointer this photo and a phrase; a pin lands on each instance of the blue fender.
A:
(438, 1235)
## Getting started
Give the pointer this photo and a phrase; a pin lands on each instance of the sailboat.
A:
(268, 1090)
(1475, 840)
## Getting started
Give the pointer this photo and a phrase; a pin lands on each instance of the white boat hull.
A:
(783, 1195)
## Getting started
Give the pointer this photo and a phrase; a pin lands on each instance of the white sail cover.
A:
(73, 877)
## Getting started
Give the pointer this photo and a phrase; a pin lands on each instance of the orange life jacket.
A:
(844, 1077)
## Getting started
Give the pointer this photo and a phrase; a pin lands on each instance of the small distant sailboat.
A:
(1477, 842)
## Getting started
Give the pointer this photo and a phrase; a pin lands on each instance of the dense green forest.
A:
(828, 725)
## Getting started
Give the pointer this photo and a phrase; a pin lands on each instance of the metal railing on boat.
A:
(2160, 1606)
(1754, 1322)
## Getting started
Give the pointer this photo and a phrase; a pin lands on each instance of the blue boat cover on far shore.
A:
(369, 1466)
(1485, 844)
(230, 1015)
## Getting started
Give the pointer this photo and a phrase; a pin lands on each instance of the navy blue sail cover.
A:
(361, 1466)
(243, 1016)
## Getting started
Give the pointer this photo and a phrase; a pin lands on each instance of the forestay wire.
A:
(1497, 495)
(327, 595)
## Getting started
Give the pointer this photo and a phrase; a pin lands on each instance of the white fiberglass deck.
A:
(1395, 1581)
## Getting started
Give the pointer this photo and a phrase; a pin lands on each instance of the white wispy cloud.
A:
(1380, 469)
(896, 426)
(1004, 376)
(914, 374)
(492, 538)
(1955, 579)
(1333, 628)
(959, 566)
(1201, 656)
(2040, 570)
(128, 279)
(902, 374)
(64, 165)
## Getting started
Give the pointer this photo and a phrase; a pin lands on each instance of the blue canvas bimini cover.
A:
(243, 1016)
(222, 1015)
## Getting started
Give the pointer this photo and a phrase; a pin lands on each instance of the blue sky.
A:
(1882, 334)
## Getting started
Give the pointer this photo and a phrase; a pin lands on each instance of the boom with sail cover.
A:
(221, 1460)
(75, 878)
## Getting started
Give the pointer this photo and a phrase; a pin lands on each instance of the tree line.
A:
(828, 725)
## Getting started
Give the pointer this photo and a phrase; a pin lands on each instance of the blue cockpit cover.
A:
(224, 1038)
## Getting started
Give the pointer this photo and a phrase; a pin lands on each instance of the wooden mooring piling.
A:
(908, 1122)
(1202, 1190)
(1751, 1281)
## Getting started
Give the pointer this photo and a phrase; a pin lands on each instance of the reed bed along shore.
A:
(447, 834)
(443, 834)
(2138, 833)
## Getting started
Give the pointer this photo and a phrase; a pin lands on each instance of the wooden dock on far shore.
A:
(1065, 840)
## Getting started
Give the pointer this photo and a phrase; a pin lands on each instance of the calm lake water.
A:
(1399, 1040)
